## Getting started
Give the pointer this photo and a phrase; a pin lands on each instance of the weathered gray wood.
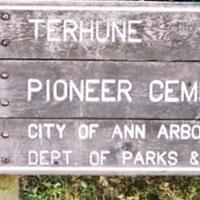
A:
(139, 74)
(169, 31)
(125, 3)
(15, 147)
(9, 188)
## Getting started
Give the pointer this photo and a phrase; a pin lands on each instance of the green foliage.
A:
(109, 188)
(43, 188)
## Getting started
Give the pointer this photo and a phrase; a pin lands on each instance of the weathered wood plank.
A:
(167, 31)
(97, 2)
(103, 89)
(9, 188)
(161, 152)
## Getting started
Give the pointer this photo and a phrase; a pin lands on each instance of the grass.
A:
(109, 188)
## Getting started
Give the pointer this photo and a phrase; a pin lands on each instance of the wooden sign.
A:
(85, 89)
(99, 88)
(100, 31)
(99, 147)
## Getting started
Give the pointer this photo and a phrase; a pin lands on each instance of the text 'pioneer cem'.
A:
(100, 88)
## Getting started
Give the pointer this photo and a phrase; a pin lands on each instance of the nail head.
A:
(5, 160)
(5, 134)
(4, 75)
(5, 42)
(4, 102)
(5, 16)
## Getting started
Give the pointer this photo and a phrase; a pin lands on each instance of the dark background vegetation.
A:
(110, 188)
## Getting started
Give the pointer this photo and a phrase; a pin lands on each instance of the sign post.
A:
(98, 88)
(9, 187)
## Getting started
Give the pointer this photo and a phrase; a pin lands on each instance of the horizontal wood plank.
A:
(97, 2)
(153, 90)
(183, 138)
(167, 32)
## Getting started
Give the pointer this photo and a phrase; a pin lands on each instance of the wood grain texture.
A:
(17, 145)
(139, 74)
(97, 2)
(165, 35)
(120, 3)
(9, 188)
(169, 32)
